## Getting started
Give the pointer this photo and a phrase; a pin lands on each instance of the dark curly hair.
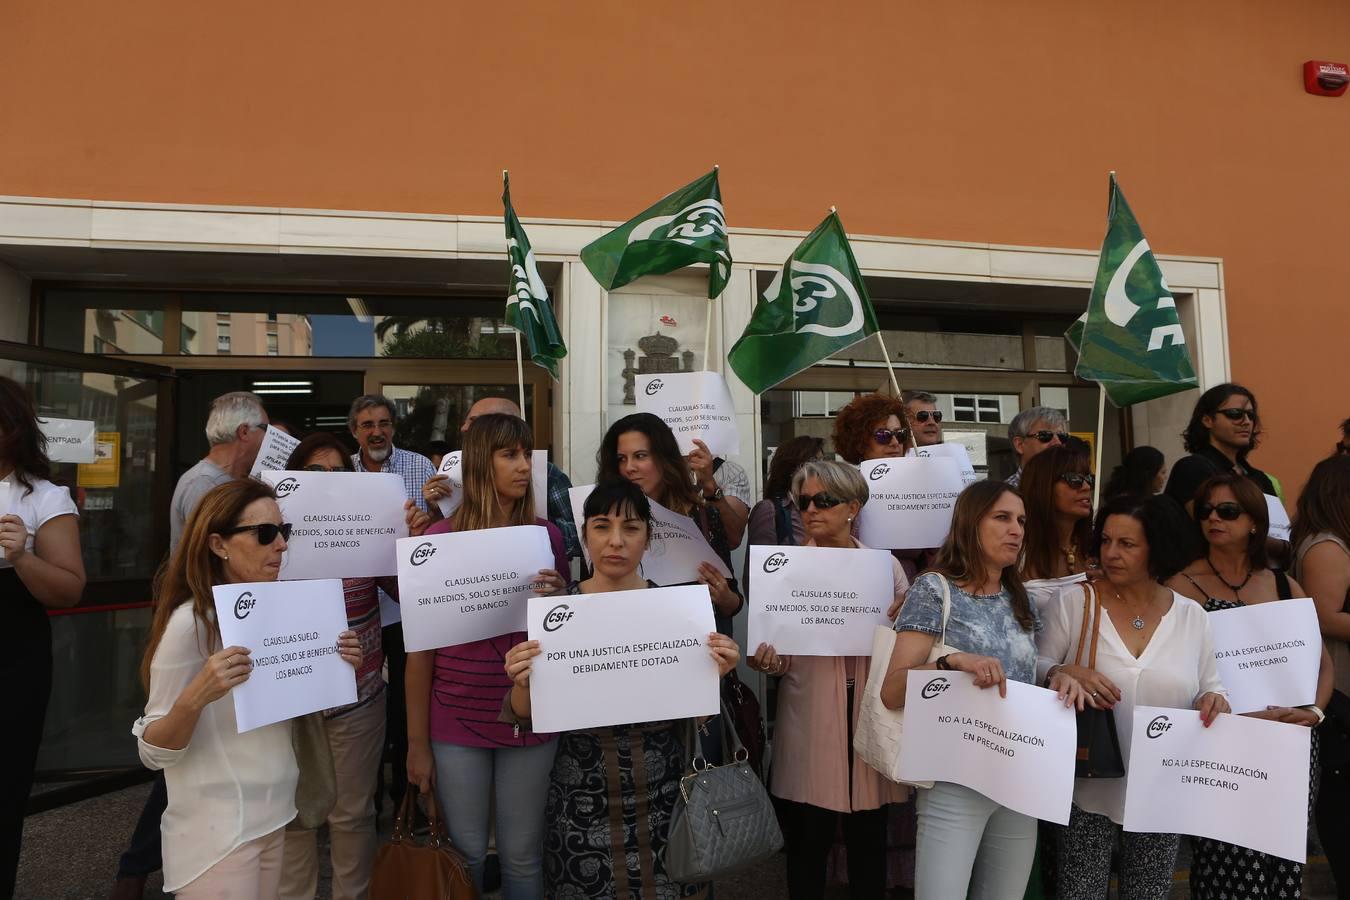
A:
(23, 446)
(854, 424)
(1196, 435)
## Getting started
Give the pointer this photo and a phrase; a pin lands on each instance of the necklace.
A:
(1232, 587)
(1070, 557)
(1138, 623)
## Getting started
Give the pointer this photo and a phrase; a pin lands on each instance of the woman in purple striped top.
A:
(455, 742)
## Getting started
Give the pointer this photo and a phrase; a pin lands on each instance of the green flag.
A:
(816, 306)
(527, 308)
(1130, 340)
(680, 229)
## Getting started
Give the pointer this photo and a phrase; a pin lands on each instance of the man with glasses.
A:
(1033, 430)
(925, 419)
(1221, 433)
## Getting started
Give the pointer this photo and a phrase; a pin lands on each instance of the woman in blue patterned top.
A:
(968, 845)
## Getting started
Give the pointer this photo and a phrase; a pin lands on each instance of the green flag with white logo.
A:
(815, 307)
(679, 230)
(1130, 340)
(528, 309)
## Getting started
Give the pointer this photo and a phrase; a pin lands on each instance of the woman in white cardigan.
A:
(1154, 649)
(230, 794)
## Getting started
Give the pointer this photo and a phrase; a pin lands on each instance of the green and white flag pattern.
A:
(815, 307)
(681, 229)
(528, 309)
(1130, 340)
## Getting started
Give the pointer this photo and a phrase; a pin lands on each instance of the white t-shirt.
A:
(45, 502)
(1043, 591)
(225, 788)
(1175, 668)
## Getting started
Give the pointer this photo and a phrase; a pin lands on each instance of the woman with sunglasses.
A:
(456, 741)
(1221, 433)
(968, 845)
(1154, 649)
(1056, 487)
(230, 794)
(599, 774)
(642, 449)
(41, 568)
(1321, 539)
(817, 779)
(1232, 573)
(355, 732)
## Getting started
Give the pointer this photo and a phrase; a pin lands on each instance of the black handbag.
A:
(1098, 744)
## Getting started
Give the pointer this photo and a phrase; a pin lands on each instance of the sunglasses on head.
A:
(924, 415)
(1235, 414)
(1228, 510)
(1046, 437)
(266, 533)
(1078, 480)
(821, 500)
(883, 436)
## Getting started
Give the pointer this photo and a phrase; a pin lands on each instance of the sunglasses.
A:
(821, 500)
(267, 533)
(1235, 414)
(319, 468)
(883, 436)
(1078, 480)
(924, 415)
(1228, 510)
(1046, 437)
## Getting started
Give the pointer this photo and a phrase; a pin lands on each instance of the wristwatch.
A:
(1316, 711)
(943, 664)
(714, 496)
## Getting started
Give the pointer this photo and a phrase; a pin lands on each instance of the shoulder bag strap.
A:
(946, 604)
(1282, 589)
(1082, 632)
(1096, 626)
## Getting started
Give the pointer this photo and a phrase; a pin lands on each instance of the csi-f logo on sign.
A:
(244, 605)
(775, 562)
(421, 553)
(557, 616)
(286, 486)
(934, 687)
(879, 472)
(654, 386)
(1157, 727)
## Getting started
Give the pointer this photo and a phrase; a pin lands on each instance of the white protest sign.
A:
(1280, 527)
(276, 448)
(1268, 654)
(948, 451)
(4, 498)
(910, 502)
(1241, 780)
(468, 585)
(342, 527)
(676, 549)
(694, 405)
(69, 440)
(450, 465)
(1017, 750)
(291, 629)
(622, 657)
(818, 601)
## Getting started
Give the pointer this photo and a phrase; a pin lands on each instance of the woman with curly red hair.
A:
(871, 426)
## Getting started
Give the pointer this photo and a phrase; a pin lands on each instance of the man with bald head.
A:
(559, 506)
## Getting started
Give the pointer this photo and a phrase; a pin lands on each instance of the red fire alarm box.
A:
(1326, 79)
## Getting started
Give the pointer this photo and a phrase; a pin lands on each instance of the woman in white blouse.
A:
(1154, 649)
(230, 794)
(40, 569)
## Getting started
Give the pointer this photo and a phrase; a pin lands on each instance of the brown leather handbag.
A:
(407, 870)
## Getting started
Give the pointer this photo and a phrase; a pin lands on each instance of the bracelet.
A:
(943, 664)
(1317, 711)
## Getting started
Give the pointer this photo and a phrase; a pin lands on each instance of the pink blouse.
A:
(811, 747)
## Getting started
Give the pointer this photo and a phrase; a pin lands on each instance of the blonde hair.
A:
(843, 482)
(485, 437)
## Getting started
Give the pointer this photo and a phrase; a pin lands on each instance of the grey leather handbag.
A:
(724, 820)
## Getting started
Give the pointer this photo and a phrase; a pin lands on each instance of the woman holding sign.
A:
(817, 778)
(1235, 520)
(455, 742)
(968, 845)
(590, 849)
(1154, 649)
(230, 794)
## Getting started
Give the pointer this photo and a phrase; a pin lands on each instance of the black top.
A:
(27, 622)
(1190, 472)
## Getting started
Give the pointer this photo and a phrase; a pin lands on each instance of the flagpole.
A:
(520, 362)
(1097, 467)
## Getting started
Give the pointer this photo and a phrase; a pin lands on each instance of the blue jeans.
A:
(468, 779)
(969, 846)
